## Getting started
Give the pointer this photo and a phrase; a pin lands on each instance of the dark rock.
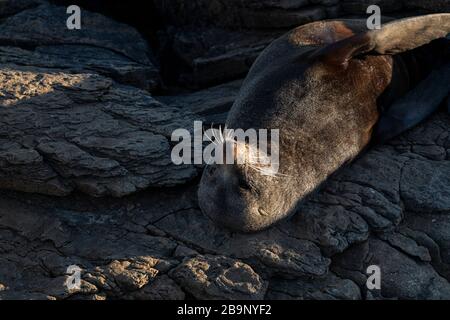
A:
(11, 7)
(359, 7)
(267, 19)
(102, 45)
(236, 14)
(401, 276)
(162, 288)
(429, 5)
(335, 225)
(49, 25)
(407, 245)
(70, 124)
(426, 186)
(327, 288)
(212, 56)
(269, 253)
(435, 226)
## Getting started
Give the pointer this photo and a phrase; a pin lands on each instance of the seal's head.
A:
(319, 85)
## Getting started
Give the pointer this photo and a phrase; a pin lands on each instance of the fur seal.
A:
(330, 87)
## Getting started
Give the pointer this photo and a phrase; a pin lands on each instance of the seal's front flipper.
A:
(415, 106)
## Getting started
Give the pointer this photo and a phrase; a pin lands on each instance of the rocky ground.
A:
(86, 176)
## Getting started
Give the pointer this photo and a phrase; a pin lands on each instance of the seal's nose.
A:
(226, 198)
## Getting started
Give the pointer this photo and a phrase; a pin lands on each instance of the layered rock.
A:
(217, 277)
(200, 57)
(216, 41)
(76, 122)
(247, 14)
(158, 245)
(209, 105)
(101, 45)
(62, 132)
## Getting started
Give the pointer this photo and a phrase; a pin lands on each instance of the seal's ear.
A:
(393, 38)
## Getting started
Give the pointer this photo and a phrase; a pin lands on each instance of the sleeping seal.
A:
(330, 87)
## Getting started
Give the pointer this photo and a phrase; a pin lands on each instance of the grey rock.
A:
(321, 253)
(270, 253)
(65, 132)
(435, 226)
(285, 4)
(401, 276)
(49, 25)
(85, 59)
(359, 7)
(236, 14)
(430, 152)
(212, 56)
(407, 245)
(217, 277)
(123, 264)
(210, 105)
(70, 124)
(11, 7)
(162, 288)
(430, 5)
(331, 227)
(330, 287)
(426, 186)
(266, 19)
(183, 251)
(102, 45)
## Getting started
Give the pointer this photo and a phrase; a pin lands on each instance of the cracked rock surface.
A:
(62, 132)
(156, 244)
(86, 179)
(102, 45)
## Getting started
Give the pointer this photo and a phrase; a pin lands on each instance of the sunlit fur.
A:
(324, 99)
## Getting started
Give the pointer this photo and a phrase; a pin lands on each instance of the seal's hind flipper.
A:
(415, 106)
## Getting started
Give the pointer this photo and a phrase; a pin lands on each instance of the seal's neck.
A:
(412, 67)
(421, 61)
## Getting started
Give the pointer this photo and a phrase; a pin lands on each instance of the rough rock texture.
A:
(102, 45)
(62, 132)
(247, 13)
(158, 245)
(213, 41)
(266, 14)
(209, 105)
(360, 6)
(218, 277)
(76, 122)
(433, 6)
(211, 56)
(11, 7)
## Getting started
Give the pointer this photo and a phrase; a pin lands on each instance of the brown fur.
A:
(314, 85)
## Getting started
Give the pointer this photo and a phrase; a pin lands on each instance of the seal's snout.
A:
(228, 199)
